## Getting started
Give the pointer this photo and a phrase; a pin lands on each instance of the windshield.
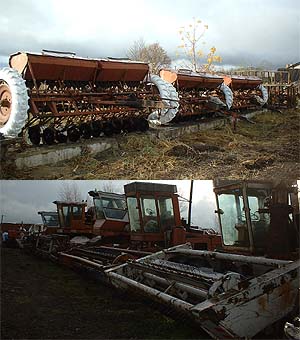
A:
(134, 217)
(233, 219)
(50, 220)
(232, 212)
(114, 208)
(149, 215)
(166, 212)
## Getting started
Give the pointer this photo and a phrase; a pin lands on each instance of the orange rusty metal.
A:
(55, 68)
(5, 103)
(188, 79)
(242, 82)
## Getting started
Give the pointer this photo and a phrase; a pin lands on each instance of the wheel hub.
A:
(5, 103)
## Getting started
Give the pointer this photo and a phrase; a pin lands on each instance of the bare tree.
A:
(134, 52)
(191, 38)
(152, 54)
(69, 191)
(107, 186)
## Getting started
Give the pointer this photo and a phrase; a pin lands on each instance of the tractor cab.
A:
(109, 215)
(258, 218)
(72, 219)
(50, 221)
(153, 213)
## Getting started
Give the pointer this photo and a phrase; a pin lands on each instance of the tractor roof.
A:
(150, 187)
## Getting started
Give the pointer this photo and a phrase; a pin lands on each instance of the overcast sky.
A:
(245, 32)
(21, 200)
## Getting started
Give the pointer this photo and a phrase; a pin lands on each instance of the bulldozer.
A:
(248, 285)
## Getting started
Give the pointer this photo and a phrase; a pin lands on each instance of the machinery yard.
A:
(268, 148)
(40, 300)
(150, 170)
(239, 283)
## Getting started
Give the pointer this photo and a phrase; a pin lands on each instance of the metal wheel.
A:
(13, 102)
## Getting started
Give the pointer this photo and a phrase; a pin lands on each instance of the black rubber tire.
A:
(108, 129)
(49, 136)
(73, 134)
(142, 124)
(85, 130)
(61, 137)
(34, 134)
(117, 126)
(96, 128)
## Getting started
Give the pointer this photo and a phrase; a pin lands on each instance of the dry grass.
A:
(268, 148)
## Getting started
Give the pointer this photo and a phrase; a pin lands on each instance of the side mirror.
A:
(219, 211)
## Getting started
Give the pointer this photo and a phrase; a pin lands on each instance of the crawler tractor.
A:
(55, 97)
(241, 289)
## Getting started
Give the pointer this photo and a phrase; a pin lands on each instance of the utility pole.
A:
(190, 204)
(2, 218)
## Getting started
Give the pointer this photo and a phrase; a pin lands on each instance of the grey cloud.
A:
(251, 31)
(21, 200)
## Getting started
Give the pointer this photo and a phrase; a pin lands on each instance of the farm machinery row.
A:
(232, 285)
(55, 98)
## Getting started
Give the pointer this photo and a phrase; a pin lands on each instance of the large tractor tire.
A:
(13, 102)
(228, 95)
(168, 92)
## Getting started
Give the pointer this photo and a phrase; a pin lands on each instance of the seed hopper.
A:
(56, 97)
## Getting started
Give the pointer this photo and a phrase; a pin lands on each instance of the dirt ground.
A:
(41, 300)
(266, 148)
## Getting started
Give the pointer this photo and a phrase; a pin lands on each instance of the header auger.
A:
(71, 97)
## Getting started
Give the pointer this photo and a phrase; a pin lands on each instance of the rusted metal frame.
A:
(249, 292)
(140, 103)
(128, 251)
(87, 113)
(248, 218)
(97, 257)
(31, 121)
(231, 257)
(185, 269)
(33, 77)
(84, 261)
(156, 197)
(152, 292)
(203, 284)
(201, 293)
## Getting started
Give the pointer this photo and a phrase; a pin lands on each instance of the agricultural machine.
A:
(71, 97)
(107, 220)
(55, 97)
(50, 221)
(204, 93)
(143, 221)
(241, 289)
